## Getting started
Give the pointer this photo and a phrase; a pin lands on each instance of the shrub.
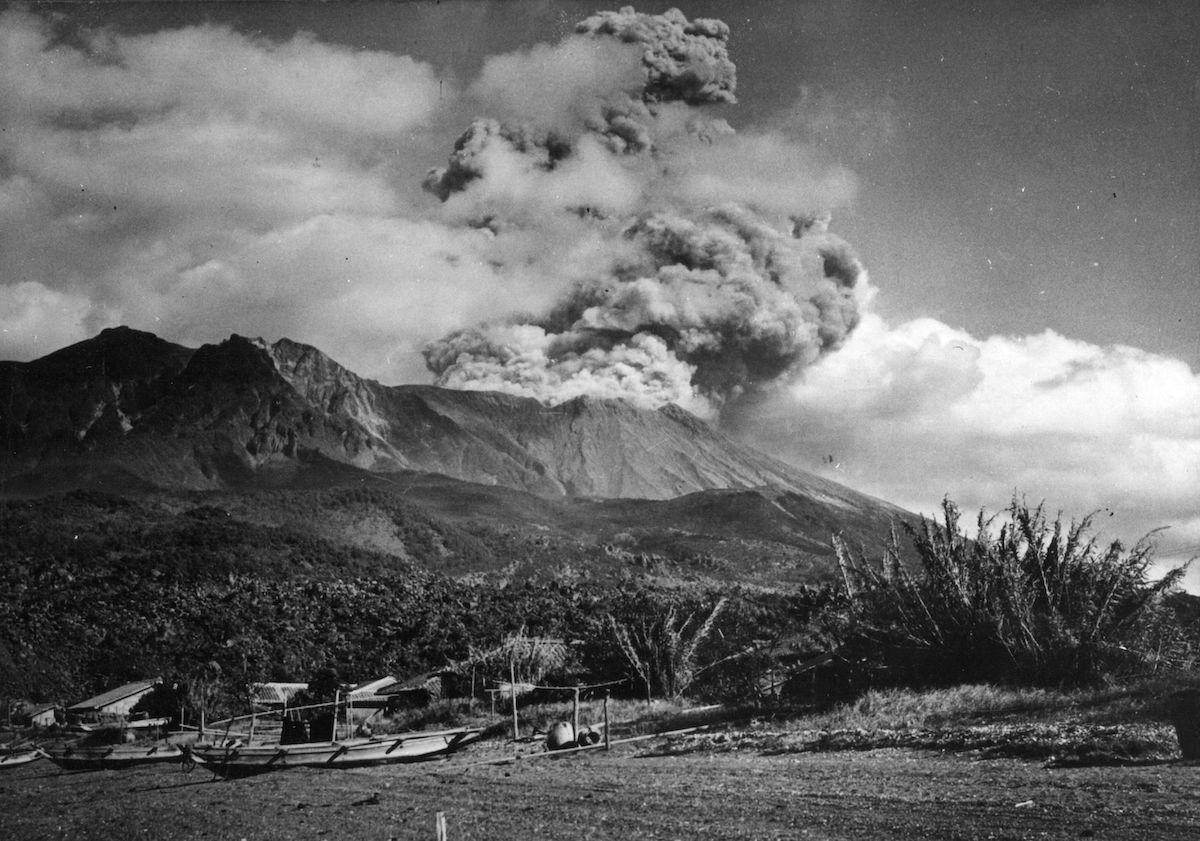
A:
(661, 649)
(1039, 603)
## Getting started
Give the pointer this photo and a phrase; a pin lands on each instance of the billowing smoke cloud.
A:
(684, 60)
(713, 273)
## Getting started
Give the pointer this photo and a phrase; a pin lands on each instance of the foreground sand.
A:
(625, 794)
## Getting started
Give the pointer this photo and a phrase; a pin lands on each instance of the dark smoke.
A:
(693, 304)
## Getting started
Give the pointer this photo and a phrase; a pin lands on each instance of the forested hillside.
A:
(98, 590)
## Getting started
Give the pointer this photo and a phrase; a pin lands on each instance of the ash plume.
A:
(711, 274)
(684, 60)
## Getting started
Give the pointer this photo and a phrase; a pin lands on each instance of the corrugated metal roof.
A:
(373, 686)
(275, 693)
(417, 682)
(114, 695)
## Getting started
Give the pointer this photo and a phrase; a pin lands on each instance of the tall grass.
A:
(1040, 603)
(896, 708)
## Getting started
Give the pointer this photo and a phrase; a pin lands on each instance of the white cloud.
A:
(914, 412)
(560, 85)
(197, 182)
(207, 71)
(368, 291)
(34, 317)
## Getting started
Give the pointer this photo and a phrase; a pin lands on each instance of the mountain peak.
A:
(116, 353)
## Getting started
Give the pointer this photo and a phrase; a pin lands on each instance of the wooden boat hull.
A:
(113, 756)
(237, 759)
(22, 757)
(120, 726)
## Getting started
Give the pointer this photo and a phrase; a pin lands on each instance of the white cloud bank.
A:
(920, 410)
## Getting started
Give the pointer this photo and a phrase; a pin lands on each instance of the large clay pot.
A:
(561, 736)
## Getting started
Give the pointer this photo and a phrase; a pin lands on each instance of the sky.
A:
(933, 248)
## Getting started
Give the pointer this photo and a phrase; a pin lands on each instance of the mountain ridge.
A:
(288, 442)
(243, 412)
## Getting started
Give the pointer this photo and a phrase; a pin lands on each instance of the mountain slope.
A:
(127, 407)
(467, 482)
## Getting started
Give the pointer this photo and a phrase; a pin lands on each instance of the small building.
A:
(420, 690)
(115, 703)
(371, 694)
(275, 695)
(42, 715)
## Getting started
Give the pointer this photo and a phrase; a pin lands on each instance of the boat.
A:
(13, 758)
(122, 726)
(233, 758)
(80, 757)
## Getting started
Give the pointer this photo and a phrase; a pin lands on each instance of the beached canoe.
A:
(236, 759)
(96, 757)
(122, 725)
(12, 759)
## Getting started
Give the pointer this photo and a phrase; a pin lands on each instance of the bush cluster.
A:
(1039, 603)
(214, 604)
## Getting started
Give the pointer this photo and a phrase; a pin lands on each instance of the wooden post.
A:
(253, 719)
(575, 717)
(512, 677)
(202, 724)
(337, 697)
(439, 823)
(606, 744)
(648, 702)
(471, 703)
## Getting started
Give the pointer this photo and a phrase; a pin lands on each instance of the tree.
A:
(202, 690)
(661, 649)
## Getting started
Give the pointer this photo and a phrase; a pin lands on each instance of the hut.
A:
(42, 715)
(274, 695)
(419, 691)
(370, 695)
(113, 704)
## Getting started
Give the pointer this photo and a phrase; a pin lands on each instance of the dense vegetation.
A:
(95, 592)
(98, 590)
(1040, 603)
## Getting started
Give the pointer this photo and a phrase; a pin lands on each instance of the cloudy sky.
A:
(1022, 187)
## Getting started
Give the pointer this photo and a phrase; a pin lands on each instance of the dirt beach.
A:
(627, 793)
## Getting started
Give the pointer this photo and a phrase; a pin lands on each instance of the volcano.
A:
(128, 413)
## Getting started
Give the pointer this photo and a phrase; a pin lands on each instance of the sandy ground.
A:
(624, 794)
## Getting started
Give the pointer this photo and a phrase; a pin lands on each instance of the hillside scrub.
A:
(97, 591)
(1040, 603)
